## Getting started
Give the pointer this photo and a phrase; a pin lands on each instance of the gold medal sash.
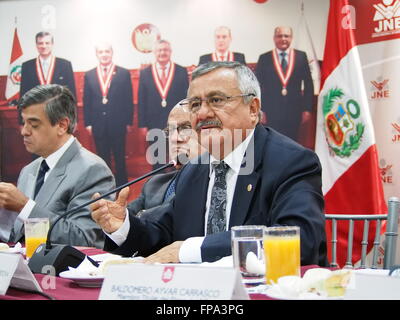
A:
(214, 57)
(284, 77)
(40, 73)
(105, 84)
(163, 91)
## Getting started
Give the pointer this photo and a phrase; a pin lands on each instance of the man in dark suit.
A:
(252, 175)
(46, 68)
(108, 109)
(161, 86)
(222, 40)
(286, 85)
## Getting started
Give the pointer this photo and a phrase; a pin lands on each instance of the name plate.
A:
(171, 282)
(372, 286)
(15, 272)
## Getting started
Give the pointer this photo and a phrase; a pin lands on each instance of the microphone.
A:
(49, 257)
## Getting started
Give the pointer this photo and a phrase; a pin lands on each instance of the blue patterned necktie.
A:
(283, 62)
(170, 191)
(217, 215)
(40, 178)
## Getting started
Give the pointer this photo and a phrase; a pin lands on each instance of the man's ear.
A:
(255, 106)
(63, 125)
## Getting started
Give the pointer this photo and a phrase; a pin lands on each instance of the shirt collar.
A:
(166, 66)
(225, 55)
(235, 158)
(52, 159)
(47, 59)
(287, 51)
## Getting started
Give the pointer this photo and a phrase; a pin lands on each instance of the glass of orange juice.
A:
(282, 252)
(35, 233)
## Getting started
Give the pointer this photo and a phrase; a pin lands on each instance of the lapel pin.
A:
(249, 187)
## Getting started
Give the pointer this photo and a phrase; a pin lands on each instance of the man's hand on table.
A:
(168, 254)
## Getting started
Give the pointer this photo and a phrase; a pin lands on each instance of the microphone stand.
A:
(55, 258)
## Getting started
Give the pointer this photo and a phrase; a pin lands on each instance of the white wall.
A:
(187, 24)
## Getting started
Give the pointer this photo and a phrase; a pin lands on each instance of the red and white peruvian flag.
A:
(14, 71)
(345, 140)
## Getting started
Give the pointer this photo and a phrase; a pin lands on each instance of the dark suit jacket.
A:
(147, 204)
(239, 57)
(150, 112)
(62, 75)
(118, 112)
(152, 195)
(284, 112)
(286, 190)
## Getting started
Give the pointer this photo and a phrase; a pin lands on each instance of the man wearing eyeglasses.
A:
(159, 189)
(251, 175)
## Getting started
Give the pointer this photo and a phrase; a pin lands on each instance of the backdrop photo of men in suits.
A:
(286, 85)
(161, 86)
(108, 109)
(46, 68)
(222, 41)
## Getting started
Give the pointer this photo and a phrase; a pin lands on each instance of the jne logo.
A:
(387, 15)
(379, 89)
(396, 132)
(386, 171)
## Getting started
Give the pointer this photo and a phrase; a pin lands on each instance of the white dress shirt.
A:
(222, 57)
(287, 51)
(45, 63)
(190, 250)
(160, 69)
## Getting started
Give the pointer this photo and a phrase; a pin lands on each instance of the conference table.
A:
(66, 289)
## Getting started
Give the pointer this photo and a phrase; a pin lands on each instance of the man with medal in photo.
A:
(108, 109)
(46, 68)
(161, 86)
(222, 41)
(286, 85)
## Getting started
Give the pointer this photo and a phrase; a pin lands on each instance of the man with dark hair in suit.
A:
(286, 85)
(251, 175)
(222, 40)
(108, 109)
(161, 86)
(63, 177)
(46, 68)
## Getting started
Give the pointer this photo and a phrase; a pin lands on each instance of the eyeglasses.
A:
(193, 105)
(184, 131)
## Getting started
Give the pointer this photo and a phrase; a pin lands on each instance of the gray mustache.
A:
(208, 123)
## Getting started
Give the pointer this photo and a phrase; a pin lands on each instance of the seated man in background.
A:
(64, 176)
(251, 175)
(160, 189)
(182, 140)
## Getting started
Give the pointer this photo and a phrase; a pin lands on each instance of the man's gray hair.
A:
(59, 103)
(247, 80)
